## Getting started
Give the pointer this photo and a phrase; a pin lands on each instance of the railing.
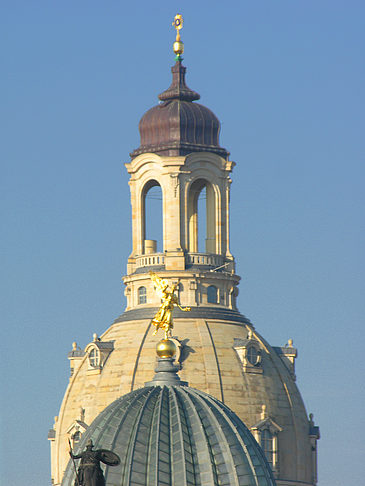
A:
(150, 260)
(204, 259)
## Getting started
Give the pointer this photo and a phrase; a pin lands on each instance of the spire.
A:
(178, 89)
(178, 127)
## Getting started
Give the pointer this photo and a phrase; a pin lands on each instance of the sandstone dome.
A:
(211, 360)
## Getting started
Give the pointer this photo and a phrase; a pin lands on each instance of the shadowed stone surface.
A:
(220, 313)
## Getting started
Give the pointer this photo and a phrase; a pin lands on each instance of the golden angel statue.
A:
(163, 317)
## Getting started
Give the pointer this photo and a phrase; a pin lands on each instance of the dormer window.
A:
(94, 358)
(266, 433)
(97, 354)
(76, 438)
(77, 429)
(249, 353)
(142, 295)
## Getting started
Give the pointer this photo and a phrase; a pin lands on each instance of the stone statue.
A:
(163, 317)
(89, 472)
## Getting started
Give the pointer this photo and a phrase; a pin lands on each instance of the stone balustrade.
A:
(158, 259)
(152, 259)
(208, 259)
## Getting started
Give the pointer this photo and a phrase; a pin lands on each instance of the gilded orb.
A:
(165, 349)
(178, 47)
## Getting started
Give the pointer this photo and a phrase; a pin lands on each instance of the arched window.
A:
(267, 445)
(152, 218)
(212, 293)
(97, 353)
(94, 358)
(201, 217)
(266, 433)
(142, 295)
(202, 220)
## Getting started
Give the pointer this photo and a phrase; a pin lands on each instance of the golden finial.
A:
(178, 45)
(166, 348)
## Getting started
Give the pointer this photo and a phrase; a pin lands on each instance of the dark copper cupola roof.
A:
(178, 126)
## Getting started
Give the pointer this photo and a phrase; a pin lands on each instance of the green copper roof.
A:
(174, 435)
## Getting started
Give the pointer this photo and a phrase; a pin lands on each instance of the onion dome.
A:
(170, 434)
(177, 125)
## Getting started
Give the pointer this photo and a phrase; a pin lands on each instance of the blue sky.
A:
(286, 79)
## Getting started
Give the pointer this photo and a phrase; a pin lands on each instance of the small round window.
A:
(253, 355)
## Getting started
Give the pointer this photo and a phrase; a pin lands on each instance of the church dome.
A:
(223, 355)
(214, 359)
(169, 433)
(178, 126)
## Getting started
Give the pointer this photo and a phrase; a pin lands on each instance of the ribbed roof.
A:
(174, 435)
(178, 126)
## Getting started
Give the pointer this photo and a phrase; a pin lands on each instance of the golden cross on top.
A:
(178, 24)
